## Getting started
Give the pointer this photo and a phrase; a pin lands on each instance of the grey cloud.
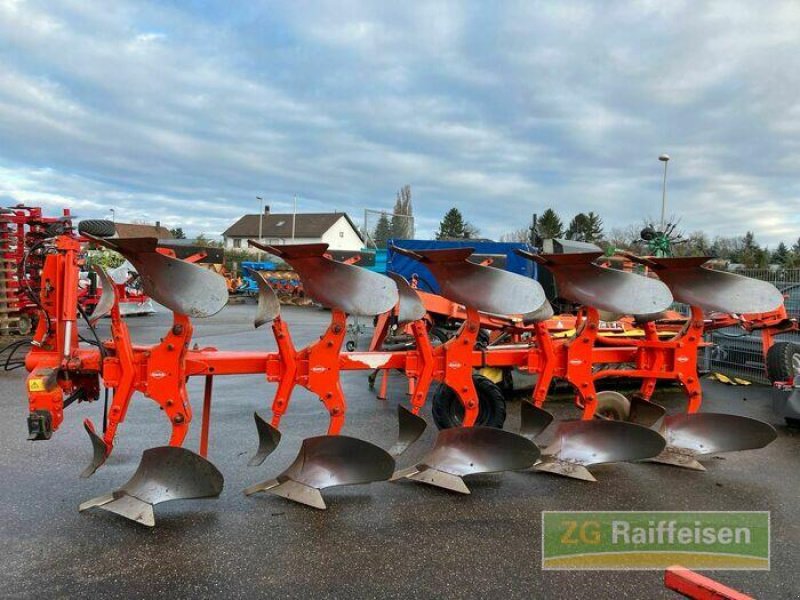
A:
(500, 109)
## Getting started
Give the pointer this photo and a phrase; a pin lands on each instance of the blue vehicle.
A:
(249, 286)
(500, 255)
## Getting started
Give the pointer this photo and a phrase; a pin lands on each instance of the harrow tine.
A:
(713, 290)
(335, 285)
(690, 436)
(581, 444)
(485, 288)
(463, 451)
(184, 288)
(165, 473)
(99, 450)
(411, 427)
(327, 461)
(269, 307)
(107, 295)
(268, 439)
(619, 292)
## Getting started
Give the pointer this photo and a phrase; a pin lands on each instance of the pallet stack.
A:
(9, 308)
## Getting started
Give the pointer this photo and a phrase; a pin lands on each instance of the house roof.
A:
(307, 225)
(135, 230)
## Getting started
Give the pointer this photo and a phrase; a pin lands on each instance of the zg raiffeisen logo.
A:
(655, 540)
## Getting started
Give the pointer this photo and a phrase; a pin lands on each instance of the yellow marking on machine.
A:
(36, 384)
(493, 374)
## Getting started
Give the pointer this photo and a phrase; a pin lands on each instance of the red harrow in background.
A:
(23, 233)
(60, 365)
(25, 236)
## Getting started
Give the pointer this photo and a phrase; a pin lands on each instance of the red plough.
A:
(60, 365)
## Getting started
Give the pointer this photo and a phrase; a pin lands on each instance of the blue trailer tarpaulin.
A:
(501, 254)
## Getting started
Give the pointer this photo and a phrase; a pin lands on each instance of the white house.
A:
(335, 229)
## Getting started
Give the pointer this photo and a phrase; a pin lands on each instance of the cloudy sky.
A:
(184, 112)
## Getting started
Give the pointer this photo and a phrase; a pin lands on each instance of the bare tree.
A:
(626, 238)
(402, 217)
(518, 235)
(695, 244)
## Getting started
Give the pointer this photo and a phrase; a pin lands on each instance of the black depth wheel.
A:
(783, 360)
(97, 227)
(448, 411)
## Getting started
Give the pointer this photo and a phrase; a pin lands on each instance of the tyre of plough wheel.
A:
(438, 336)
(448, 411)
(56, 229)
(97, 227)
(783, 359)
(25, 325)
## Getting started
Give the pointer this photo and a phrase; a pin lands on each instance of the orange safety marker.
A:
(698, 587)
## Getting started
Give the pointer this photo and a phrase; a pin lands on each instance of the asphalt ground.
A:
(384, 540)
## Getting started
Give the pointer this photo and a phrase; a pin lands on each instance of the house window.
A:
(341, 234)
(237, 243)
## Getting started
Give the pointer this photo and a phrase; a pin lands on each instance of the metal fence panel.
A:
(738, 353)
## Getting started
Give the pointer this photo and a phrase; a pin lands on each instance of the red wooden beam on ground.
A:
(698, 587)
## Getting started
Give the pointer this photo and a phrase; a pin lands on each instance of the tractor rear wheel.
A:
(449, 412)
(783, 361)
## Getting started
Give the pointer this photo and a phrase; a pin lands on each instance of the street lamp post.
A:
(665, 159)
(113, 215)
(260, 222)
(294, 217)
